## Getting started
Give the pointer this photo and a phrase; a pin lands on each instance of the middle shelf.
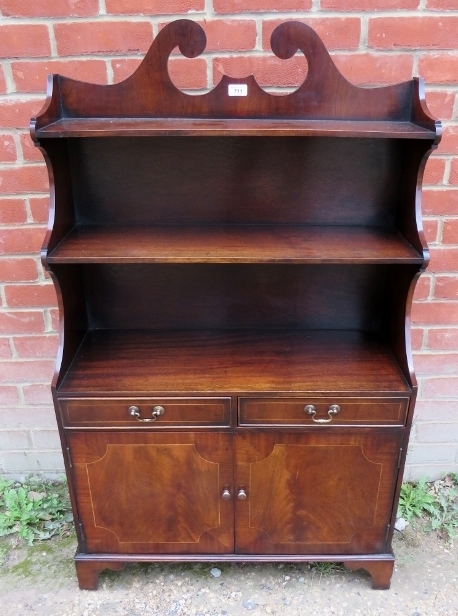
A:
(234, 244)
(186, 362)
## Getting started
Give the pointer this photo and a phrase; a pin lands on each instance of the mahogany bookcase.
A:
(235, 273)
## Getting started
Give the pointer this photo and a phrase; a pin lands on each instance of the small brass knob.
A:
(226, 495)
(157, 411)
(241, 495)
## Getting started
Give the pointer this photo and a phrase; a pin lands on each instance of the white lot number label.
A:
(237, 89)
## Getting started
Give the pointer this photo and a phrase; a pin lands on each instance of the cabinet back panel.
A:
(211, 180)
(235, 296)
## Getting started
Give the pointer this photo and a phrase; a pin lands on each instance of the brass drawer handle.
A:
(310, 409)
(134, 411)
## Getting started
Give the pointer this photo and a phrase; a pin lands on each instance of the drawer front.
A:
(322, 411)
(144, 412)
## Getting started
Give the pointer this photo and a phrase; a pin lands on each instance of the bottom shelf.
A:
(123, 362)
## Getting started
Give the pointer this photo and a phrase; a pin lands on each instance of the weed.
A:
(326, 567)
(444, 517)
(34, 509)
(438, 500)
(415, 500)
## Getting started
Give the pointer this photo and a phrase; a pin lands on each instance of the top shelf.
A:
(189, 127)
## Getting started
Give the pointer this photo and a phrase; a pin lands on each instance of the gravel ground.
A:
(41, 580)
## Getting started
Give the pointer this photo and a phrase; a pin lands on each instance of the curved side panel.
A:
(68, 282)
(420, 111)
(149, 92)
(60, 350)
(51, 110)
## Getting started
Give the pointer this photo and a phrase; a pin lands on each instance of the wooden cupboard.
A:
(235, 273)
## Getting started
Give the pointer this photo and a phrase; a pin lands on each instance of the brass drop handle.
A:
(226, 495)
(134, 411)
(333, 409)
(241, 495)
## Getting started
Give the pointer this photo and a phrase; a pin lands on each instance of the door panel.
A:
(140, 493)
(318, 492)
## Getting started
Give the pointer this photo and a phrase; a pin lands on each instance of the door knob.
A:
(241, 495)
(226, 495)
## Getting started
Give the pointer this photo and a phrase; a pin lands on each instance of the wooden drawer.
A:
(350, 411)
(116, 412)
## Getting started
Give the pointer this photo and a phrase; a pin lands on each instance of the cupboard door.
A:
(151, 493)
(321, 492)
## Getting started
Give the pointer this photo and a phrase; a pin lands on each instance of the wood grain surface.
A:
(122, 362)
(233, 244)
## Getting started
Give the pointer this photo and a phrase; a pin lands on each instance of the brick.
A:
(423, 288)
(30, 153)
(449, 141)
(435, 410)
(153, 7)
(453, 179)
(416, 335)
(439, 68)
(92, 37)
(434, 170)
(12, 211)
(368, 5)
(16, 113)
(27, 178)
(185, 73)
(18, 269)
(251, 6)
(20, 417)
(446, 287)
(123, 68)
(440, 104)
(442, 5)
(228, 35)
(188, 74)
(430, 228)
(7, 149)
(2, 81)
(21, 322)
(46, 439)
(37, 394)
(450, 231)
(21, 240)
(33, 461)
(8, 395)
(21, 40)
(39, 206)
(431, 471)
(336, 32)
(36, 346)
(13, 439)
(5, 349)
(435, 313)
(33, 295)
(49, 8)
(268, 70)
(31, 76)
(443, 259)
(26, 370)
(54, 313)
(436, 364)
(413, 32)
(440, 202)
(443, 339)
(431, 453)
(366, 68)
(440, 387)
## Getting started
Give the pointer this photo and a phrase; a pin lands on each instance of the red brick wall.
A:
(372, 42)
